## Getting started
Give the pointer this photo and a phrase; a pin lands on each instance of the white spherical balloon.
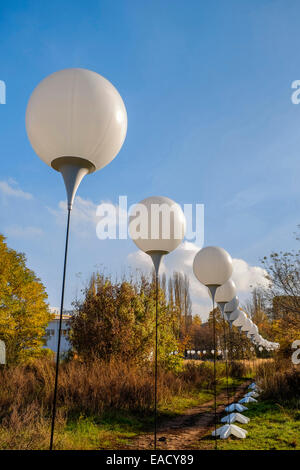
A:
(157, 224)
(212, 266)
(76, 113)
(232, 305)
(226, 292)
(247, 325)
(241, 319)
(232, 316)
(254, 330)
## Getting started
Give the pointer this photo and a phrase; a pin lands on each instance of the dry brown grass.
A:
(280, 381)
(90, 389)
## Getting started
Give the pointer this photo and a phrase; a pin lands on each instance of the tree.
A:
(24, 313)
(117, 320)
(283, 298)
(182, 302)
(195, 332)
(284, 281)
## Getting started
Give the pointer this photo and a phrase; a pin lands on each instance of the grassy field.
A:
(113, 429)
(100, 405)
(116, 430)
(271, 427)
(108, 411)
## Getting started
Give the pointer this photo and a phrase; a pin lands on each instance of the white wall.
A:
(52, 336)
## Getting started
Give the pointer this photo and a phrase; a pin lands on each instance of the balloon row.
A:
(76, 122)
(212, 265)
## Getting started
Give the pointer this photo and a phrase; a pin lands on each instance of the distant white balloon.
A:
(232, 305)
(212, 266)
(226, 292)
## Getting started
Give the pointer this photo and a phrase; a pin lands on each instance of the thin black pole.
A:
(215, 372)
(226, 360)
(230, 358)
(59, 333)
(156, 353)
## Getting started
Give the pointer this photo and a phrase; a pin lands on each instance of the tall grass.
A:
(85, 389)
(280, 381)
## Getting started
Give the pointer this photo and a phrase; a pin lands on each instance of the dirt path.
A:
(184, 431)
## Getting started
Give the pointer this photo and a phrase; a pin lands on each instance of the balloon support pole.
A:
(73, 170)
(213, 288)
(156, 257)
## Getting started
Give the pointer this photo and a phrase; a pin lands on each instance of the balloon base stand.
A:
(73, 169)
(252, 394)
(235, 407)
(232, 417)
(230, 429)
(248, 400)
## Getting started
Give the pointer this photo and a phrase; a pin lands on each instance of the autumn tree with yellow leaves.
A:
(116, 320)
(24, 312)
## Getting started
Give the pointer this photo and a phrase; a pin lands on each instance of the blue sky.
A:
(207, 87)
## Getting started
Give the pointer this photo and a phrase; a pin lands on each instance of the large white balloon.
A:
(76, 113)
(157, 224)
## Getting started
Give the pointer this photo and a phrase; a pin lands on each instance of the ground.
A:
(182, 427)
(185, 422)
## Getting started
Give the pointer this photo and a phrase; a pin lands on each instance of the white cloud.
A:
(10, 188)
(141, 261)
(83, 211)
(84, 215)
(245, 276)
(17, 231)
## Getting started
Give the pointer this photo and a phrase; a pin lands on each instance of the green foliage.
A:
(23, 309)
(117, 320)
